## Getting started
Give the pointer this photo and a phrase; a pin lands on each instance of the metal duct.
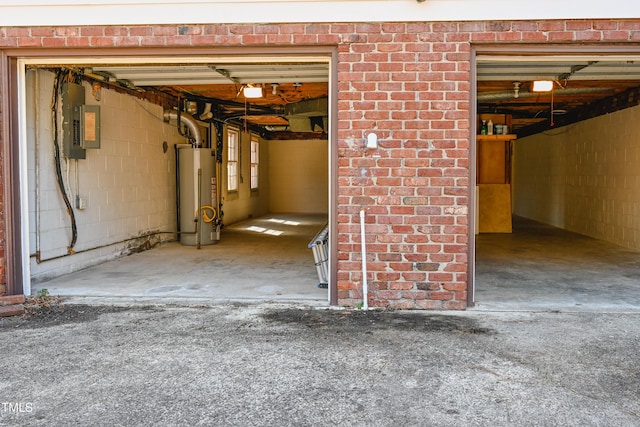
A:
(189, 121)
(507, 95)
(308, 108)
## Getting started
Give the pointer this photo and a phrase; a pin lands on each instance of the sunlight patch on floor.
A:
(282, 221)
(264, 230)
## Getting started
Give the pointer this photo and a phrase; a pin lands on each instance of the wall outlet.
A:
(81, 203)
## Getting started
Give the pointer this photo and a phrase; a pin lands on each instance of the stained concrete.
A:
(262, 259)
(276, 365)
(539, 267)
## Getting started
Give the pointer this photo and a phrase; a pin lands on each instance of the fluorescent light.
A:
(252, 92)
(542, 85)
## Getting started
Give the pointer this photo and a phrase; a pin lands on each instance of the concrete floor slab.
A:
(539, 267)
(260, 259)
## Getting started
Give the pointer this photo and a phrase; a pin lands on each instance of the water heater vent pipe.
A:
(189, 121)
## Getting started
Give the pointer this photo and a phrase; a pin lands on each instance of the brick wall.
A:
(408, 82)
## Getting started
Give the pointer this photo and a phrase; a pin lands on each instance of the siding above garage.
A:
(109, 12)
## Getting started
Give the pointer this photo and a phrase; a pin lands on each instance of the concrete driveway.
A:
(278, 365)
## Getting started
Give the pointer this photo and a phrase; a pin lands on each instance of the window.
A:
(255, 157)
(232, 160)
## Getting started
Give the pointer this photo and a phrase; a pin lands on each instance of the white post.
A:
(363, 249)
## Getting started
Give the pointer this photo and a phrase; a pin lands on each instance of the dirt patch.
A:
(376, 319)
(52, 314)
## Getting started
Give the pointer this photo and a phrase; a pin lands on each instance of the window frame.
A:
(233, 175)
(254, 162)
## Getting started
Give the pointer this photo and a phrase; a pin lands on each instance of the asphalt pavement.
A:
(267, 364)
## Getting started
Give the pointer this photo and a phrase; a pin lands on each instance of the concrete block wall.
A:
(299, 176)
(411, 83)
(128, 183)
(584, 177)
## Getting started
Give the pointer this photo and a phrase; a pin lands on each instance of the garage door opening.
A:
(557, 194)
(157, 177)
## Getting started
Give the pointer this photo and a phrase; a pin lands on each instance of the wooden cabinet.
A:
(493, 178)
(493, 165)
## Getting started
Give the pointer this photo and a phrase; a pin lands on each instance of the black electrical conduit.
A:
(57, 92)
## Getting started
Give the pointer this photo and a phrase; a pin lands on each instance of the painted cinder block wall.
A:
(410, 83)
(298, 176)
(128, 183)
(584, 177)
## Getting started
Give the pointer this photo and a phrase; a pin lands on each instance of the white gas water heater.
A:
(197, 186)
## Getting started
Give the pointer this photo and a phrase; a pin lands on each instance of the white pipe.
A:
(363, 249)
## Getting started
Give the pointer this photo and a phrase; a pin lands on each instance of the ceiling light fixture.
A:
(542, 85)
(251, 91)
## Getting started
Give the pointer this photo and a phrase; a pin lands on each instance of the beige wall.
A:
(584, 177)
(298, 176)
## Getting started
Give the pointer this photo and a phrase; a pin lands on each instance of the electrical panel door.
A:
(90, 126)
(72, 100)
(80, 123)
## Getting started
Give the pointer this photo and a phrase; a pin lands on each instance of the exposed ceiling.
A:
(584, 87)
(296, 92)
(292, 91)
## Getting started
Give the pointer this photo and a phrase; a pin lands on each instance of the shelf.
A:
(508, 137)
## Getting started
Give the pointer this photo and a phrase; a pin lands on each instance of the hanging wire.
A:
(551, 118)
(55, 103)
(245, 116)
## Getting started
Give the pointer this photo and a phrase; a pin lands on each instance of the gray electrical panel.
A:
(80, 123)
(72, 100)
